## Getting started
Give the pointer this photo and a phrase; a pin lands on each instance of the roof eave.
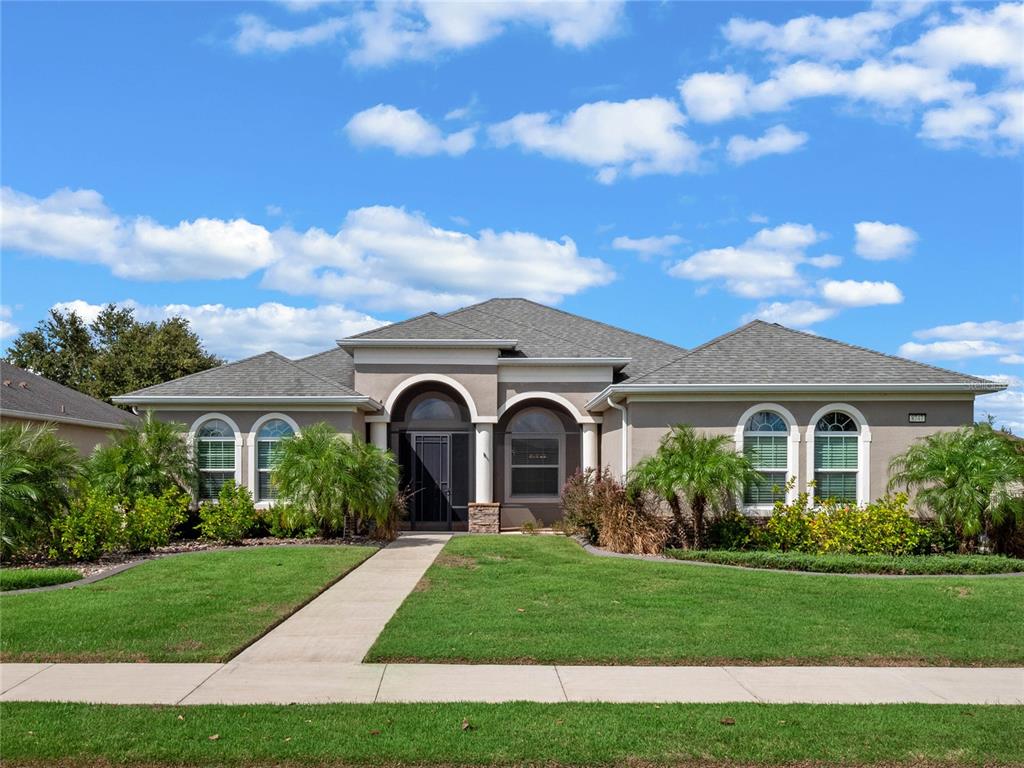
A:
(429, 343)
(615, 362)
(360, 401)
(46, 417)
(600, 401)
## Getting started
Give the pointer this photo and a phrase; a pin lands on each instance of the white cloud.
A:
(394, 259)
(1006, 407)
(878, 241)
(953, 350)
(837, 38)
(383, 255)
(764, 265)
(7, 328)
(381, 34)
(990, 329)
(647, 246)
(77, 225)
(863, 293)
(235, 332)
(406, 132)
(827, 261)
(758, 218)
(798, 314)
(636, 137)
(1013, 359)
(777, 140)
(255, 35)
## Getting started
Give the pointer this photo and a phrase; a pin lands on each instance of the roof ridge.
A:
(320, 354)
(476, 307)
(875, 351)
(391, 325)
(587, 319)
(696, 349)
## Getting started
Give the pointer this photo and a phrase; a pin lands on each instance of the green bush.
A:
(231, 518)
(731, 530)
(286, 521)
(789, 528)
(92, 525)
(150, 522)
(29, 578)
(844, 563)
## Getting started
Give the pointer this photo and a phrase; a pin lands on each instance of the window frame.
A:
(252, 453)
(261, 471)
(509, 467)
(775, 434)
(194, 440)
(792, 435)
(862, 482)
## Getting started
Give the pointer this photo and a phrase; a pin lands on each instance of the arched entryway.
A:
(431, 433)
(536, 448)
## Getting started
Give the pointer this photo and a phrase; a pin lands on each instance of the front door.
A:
(431, 500)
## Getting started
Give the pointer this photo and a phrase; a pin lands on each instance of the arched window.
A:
(766, 443)
(215, 451)
(268, 450)
(434, 409)
(534, 455)
(836, 448)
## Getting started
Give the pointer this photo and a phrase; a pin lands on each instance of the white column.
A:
(589, 459)
(484, 463)
(379, 434)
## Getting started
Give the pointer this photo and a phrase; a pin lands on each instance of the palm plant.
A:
(37, 469)
(705, 470)
(333, 478)
(972, 479)
(145, 459)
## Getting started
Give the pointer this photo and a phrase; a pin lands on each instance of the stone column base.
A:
(484, 517)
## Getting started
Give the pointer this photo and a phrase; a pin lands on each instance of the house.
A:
(489, 408)
(83, 421)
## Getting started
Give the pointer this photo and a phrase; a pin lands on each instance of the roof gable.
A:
(768, 353)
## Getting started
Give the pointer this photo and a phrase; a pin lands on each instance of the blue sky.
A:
(286, 174)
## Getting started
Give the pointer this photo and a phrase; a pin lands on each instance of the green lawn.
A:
(543, 599)
(513, 734)
(27, 578)
(197, 607)
(841, 563)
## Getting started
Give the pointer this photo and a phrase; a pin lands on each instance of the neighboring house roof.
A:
(265, 377)
(768, 353)
(26, 395)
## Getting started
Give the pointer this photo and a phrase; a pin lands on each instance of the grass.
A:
(27, 578)
(838, 563)
(510, 734)
(196, 607)
(515, 599)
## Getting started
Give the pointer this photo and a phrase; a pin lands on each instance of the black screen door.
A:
(431, 481)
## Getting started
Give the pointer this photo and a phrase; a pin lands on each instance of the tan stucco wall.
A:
(379, 381)
(576, 392)
(891, 434)
(85, 439)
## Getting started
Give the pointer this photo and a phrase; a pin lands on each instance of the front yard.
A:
(911, 735)
(544, 600)
(197, 607)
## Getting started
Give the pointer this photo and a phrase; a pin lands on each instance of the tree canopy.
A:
(114, 354)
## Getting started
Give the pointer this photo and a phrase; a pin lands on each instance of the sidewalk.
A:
(314, 657)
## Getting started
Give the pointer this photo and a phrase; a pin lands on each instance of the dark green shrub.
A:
(286, 521)
(232, 518)
(844, 563)
(731, 530)
(151, 520)
(92, 525)
(29, 578)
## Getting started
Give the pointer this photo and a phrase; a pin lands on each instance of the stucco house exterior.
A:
(83, 421)
(489, 408)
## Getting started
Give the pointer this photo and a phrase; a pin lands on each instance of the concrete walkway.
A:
(314, 657)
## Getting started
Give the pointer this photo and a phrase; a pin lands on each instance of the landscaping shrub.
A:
(150, 520)
(232, 518)
(846, 563)
(287, 521)
(580, 502)
(601, 509)
(144, 459)
(29, 578)
(789, 527)
(731, 530)
(92, 525)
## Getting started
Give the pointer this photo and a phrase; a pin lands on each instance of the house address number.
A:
(918, 418)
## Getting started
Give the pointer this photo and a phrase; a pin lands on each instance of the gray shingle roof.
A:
(334, 364)
(767, 353)
(32, 395)
(428, 326)
(266, 375)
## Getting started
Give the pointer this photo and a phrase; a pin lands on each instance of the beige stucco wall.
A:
(379, 381)
(891, 433)
(85, 439)
(579, 393)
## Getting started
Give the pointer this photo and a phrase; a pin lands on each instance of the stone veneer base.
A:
(484, 518)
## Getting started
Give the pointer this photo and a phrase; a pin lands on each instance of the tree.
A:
(112, 355)
(146, 459)
(705, 470)
(972, 479)
(330, 478)
(37, 469)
